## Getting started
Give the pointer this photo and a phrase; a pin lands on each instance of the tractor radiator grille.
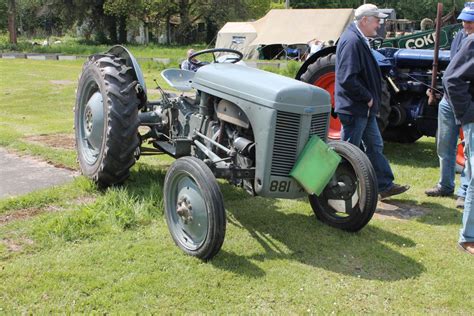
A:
(319, 125)
(285, 144)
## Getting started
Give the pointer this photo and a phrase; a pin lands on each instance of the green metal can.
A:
(315, 166)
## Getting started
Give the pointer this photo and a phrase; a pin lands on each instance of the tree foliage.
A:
(408, 9)
(108, 20)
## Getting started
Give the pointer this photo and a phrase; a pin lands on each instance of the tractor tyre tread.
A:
(369, 193)
(121, 119)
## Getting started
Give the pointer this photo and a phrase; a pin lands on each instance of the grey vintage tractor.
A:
(236, 123)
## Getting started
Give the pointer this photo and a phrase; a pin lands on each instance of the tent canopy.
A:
(301, 26)
(285, 27)
(238, 36)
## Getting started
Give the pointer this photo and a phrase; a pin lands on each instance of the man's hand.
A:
(371, 102)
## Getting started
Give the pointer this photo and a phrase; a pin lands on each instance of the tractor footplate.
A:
(233, 173)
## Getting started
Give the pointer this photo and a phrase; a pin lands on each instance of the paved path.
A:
(21, 175)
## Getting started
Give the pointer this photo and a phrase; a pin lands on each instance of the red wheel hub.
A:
(326, 82)
(460, 160)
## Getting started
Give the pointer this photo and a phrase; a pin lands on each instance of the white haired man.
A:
(358, 93)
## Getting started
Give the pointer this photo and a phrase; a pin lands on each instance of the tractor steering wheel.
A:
(212, 51)
(377, 42)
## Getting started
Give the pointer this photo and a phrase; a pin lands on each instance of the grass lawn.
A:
(75, 248)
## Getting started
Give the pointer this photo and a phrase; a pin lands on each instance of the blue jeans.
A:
(446, 143)
(467, 231)
(357, 130)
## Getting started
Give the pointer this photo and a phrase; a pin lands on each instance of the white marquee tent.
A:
(285, 27)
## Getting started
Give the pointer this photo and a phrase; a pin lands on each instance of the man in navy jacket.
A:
(448, 131)
(458, 83)
(358, 93)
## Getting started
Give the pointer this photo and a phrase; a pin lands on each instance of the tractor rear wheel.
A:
(350, 199)
(106, 120)
(460, 158)
(322, 73)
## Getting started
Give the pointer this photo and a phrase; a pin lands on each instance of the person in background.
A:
(186, 65)
(314, 47)
(448, 130)
(458, 82)
(358, 93)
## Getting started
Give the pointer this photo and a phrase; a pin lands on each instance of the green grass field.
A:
(75, 248)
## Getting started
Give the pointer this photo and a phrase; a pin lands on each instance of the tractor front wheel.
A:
(194, 208)
(350, 199)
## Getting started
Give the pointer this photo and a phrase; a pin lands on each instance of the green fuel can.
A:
(315, 165)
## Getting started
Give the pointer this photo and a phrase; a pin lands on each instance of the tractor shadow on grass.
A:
(292, 232)
(295, 234)
(145, 178)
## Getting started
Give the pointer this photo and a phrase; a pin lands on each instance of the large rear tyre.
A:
(106, 120)
(322, 73)
(385, 108)
(194, 208)
(349, 202)
(460, 158)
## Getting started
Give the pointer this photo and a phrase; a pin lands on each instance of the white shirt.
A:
(315, 48)
(365, 37)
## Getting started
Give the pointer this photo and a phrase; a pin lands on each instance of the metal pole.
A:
(287, 4)
(434, 73)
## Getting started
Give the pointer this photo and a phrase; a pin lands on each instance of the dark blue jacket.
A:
(456, 44)
(458, 82)
(358, 76)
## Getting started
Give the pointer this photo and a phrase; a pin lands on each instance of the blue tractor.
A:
(405, 114)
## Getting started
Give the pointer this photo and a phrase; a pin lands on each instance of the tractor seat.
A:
(179, 79)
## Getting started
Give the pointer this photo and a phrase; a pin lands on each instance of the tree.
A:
(118, 11)
(3, 15)
(12, 21)
(216, 13)
(405, 8)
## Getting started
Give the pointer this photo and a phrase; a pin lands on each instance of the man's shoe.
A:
(438, 191)
(460, 202)
(395, 189)
(467, 247)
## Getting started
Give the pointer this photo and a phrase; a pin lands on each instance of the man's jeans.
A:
(467, 230)
(357, 129)
(446, 142)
